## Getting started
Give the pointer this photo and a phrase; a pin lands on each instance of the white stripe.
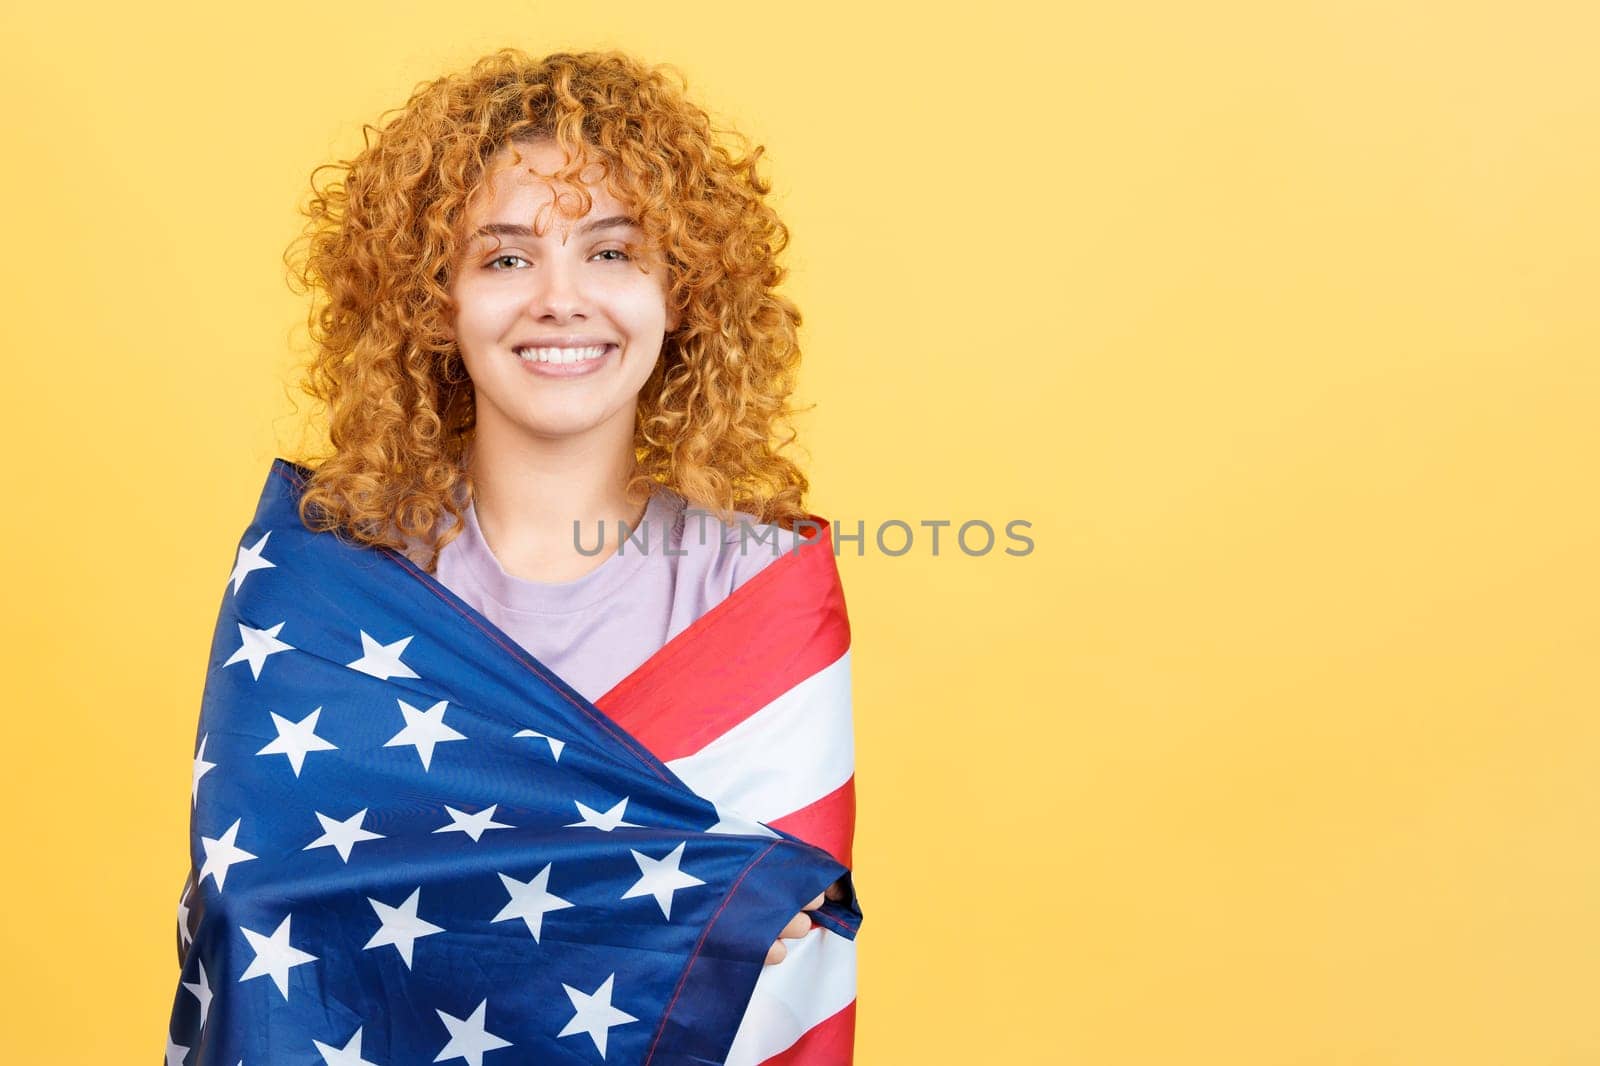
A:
(790, 753)
(815, 981)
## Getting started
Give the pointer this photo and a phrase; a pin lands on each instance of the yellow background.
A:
(1277, 321)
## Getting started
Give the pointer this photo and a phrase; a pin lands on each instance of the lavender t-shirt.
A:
(597, 629)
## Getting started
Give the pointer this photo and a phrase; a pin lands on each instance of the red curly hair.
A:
(380, 247)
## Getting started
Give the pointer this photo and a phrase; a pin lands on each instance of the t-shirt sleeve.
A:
(733, 551)
(756, 545)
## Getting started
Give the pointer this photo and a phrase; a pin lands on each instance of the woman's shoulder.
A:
(735, 549)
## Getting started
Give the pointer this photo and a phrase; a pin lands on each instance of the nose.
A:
(557, 291)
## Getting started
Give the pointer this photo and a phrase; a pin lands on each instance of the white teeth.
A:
(562, 355)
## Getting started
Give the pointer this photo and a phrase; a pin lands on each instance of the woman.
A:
(548, 309)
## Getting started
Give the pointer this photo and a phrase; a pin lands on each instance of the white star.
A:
(472, 824)
(258, 644)
(738, 825)
(400, 926)
(349, 1055)
(468, 1037)
(342, 835)
(221, 854)
(176, 1053)
(661, 878)
(184, 936)
(274, 957)
(606, 821)
(249, 560)
(296, 738)
(382, 661)
(555, 745)
(530, 901)
(423, 730)
(202, 992)
(595, 1014)
(201, 768)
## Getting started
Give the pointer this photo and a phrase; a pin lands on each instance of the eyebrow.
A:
(516, 229)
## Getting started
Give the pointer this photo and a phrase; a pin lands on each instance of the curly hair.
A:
(380, 246)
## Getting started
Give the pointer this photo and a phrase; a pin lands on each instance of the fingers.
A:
(800, 924)
(798, 927)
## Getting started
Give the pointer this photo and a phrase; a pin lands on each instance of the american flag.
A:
(411, 842)
(750, 707)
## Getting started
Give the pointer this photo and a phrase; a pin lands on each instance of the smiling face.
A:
(567, 294)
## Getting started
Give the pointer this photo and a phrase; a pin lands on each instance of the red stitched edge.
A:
(684, 977)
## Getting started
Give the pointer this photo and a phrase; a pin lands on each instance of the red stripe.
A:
(829, 822)
(828, 1043)
(713, 675)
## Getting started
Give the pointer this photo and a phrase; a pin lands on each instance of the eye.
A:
(501, 258)
(614, 251)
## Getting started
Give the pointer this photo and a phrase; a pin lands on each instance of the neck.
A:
(528, 492)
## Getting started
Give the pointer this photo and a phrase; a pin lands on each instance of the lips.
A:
(575, 362)
(564, 356)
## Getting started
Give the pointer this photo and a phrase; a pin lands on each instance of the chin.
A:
(541, 412)
(551, 428)
(559, 423)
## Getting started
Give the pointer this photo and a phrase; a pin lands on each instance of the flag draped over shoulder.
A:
(412, 842)
(750, 706)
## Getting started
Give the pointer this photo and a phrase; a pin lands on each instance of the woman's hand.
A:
(800, 924)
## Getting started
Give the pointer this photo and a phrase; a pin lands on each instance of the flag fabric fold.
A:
(750, 706)
(412, 842)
